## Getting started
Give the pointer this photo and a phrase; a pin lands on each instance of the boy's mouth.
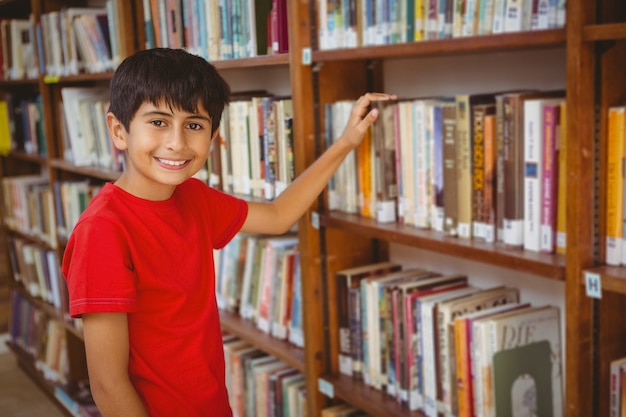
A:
(172, 163)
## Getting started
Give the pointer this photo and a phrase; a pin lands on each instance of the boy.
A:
(139, 262)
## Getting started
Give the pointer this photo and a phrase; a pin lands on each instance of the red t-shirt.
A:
(154, 261)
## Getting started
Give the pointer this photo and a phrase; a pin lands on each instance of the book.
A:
(450, 190)
(479, 113)
(385, 159)
(615, 185)
(561, 216)
(616, 368)
(549, 186)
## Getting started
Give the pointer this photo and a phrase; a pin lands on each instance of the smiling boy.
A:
(139, 263)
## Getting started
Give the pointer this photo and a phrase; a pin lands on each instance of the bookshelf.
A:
(594, 45)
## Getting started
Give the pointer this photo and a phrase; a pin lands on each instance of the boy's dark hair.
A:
(173, 76)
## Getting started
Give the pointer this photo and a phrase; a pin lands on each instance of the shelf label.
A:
(593, 285)
(315, 220)
(306, 56)
(325, 388)
(51, 79)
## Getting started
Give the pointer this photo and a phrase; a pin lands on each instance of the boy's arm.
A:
(107, 349)
(279, 215)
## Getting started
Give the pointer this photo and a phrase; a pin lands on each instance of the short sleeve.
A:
(98, 269)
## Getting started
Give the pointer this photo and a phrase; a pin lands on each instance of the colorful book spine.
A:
(615, 186)
(550, 175)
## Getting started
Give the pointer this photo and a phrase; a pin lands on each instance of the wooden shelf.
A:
(258, 61)
(374, 402)
(458, 46)
(613, 278)
(27, 157)
(246, 330)
(34, 82)
(544, 265)
(604, 32)
(89, 171)
(78, 78)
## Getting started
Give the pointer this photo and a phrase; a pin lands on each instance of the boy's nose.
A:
(176, 140)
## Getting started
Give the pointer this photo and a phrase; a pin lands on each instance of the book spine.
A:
(450, 197)
(478, 113)
(513, 221)
(437, 213)
(550, 175)
(489, 196)
(561, 233)
(464, 167)
(533, 172)
(615, 186)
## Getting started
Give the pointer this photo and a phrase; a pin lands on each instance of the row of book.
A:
(86, 140)
(259, 278)
(436, 343)
(489, 167)
(260, 384)
(38, 270)
(218, 30)
(618, 388)
(615, 183)
(384, 22)
(41, 336)
(44, 338)
(63, 42)
(28, 207)
(22, 124)
(18, 53)
(254, 154)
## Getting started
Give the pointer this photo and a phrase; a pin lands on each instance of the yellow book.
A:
(561, 236)
(5, 133)
(615, 186)
(419, 28)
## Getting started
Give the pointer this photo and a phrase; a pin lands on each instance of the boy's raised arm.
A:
(106, 346)
(279, 215)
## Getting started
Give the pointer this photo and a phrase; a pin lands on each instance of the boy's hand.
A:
(360, 119)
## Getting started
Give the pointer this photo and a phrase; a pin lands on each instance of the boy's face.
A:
(164, 147)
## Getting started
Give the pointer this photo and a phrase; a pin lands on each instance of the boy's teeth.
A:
(173, 163)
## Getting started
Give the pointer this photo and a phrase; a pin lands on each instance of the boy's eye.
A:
(158, 123)
(194, 126)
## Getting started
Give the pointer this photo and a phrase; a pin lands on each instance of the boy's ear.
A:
(116, 131)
